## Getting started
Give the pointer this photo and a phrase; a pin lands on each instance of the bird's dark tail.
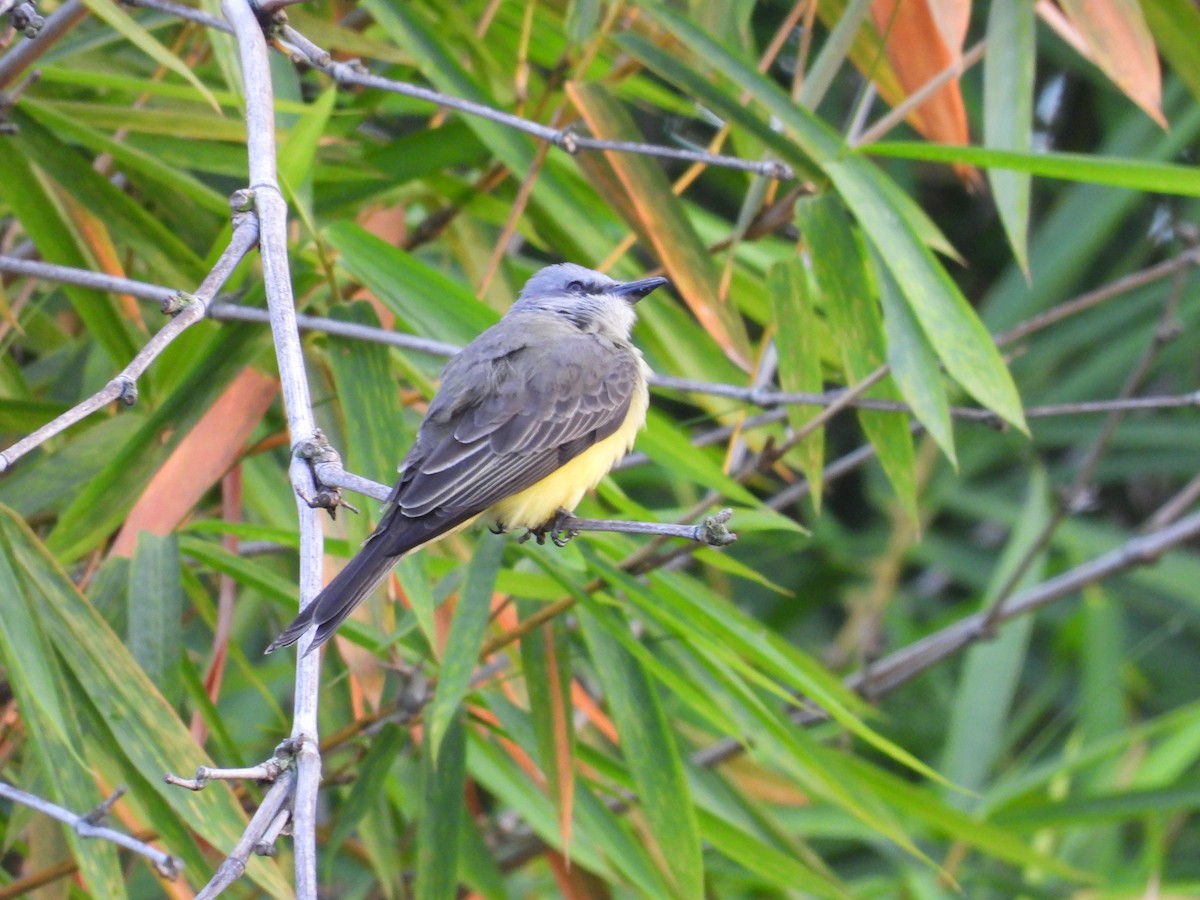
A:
(349, 588)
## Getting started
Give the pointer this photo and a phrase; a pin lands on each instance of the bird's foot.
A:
(499, 528)
(555, 529)
(559, 532)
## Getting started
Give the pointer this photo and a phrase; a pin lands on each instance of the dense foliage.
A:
(627, 716)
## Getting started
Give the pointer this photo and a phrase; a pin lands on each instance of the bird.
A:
(527, 418)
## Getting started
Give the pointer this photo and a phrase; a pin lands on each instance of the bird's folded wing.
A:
(510, 420)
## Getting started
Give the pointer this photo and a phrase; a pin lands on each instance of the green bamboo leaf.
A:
(97, 510)
(848, 297)
(46, 483)
(34, 674)
(299, 150)
(155, 612)
(1008, 82)
(781, 870)
(990, 838)
(416, 583)
(122, 22)
(159, 248)
(182, 125)
(704, 704)
(546, 664)
(477, 866)
(33, 203)
(799, 360)
(132, 86)
(428, 302)
(650, 750)
(604, 843)
(143, 168)
(1103, 694)
(914, 365)
(1136, 174)
(246, 571)
(1122, 806)
(465, 637)
(664, 443)
(147, 736)
(833, 52)
(373, 770)
(582, 18)
(443, 776)
(1174, 24)
(975, 733)
(961, 341)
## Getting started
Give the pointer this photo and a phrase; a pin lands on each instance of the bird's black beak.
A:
(633, 291)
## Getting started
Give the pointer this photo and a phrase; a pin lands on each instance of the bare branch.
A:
(86, 826)
(263, 822)
(1071, 499)
(25, 54)
(189, 310)
(1076, 305)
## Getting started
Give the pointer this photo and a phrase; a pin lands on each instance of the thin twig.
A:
(86, 826)
(1072, 498)
(184, 12)
(899, 113)
(224, 311)
(1076, 305)
(234, 865)
(26, 53)
(123, 386)
(345, 73)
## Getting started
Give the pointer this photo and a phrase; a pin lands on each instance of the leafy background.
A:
(148, 553)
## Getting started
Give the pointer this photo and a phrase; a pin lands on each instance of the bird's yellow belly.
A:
(537, 505)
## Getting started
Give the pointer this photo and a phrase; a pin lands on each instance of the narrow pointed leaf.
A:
(465, 638)
(443, 776)
(124, 23)
(914, 365)
(662, 222)
(649, 749)
(155, 616)
(840, 264)
(1008, 82)
(799, 360)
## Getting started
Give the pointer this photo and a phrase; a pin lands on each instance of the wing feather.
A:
(503, 422)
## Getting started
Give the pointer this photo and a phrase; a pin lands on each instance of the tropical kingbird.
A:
(528, 418)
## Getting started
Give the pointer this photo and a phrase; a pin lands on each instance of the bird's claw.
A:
(556, 529)
(559, 532)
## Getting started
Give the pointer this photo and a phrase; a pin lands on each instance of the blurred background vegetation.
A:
(644, 742)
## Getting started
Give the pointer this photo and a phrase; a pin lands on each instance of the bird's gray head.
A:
(590, 300)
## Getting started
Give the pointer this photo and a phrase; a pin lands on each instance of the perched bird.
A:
(528, 418)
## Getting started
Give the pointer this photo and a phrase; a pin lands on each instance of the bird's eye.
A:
(576, 286)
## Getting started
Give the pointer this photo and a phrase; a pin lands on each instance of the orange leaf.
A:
(94, 233)
(1113, 34)
(646, 201)
(924, 38)
(564, 758)
(201, 458)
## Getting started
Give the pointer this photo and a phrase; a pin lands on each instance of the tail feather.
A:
(348, 589)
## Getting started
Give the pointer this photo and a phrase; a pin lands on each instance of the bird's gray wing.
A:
(506, 418)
